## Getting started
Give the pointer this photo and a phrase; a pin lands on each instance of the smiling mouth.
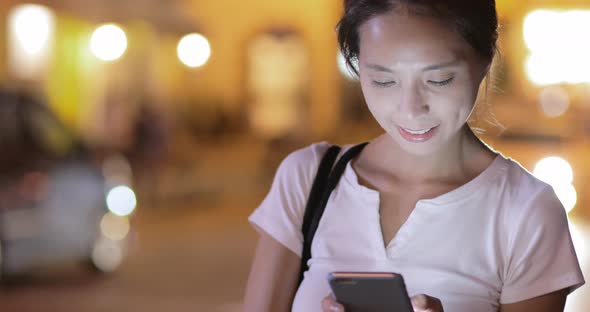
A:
(417, 131)
(417, 136)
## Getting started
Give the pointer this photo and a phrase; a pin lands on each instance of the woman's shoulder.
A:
(528, 194)
(306, 158)
(308, 153)
(520, 179)
(303, 163)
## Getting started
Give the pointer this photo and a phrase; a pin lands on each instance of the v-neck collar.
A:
(498, 165)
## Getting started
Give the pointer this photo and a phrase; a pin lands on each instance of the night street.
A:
(191, 253)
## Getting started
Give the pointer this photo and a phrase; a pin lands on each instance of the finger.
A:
(419, 303)
(330, 305)
(424, 303)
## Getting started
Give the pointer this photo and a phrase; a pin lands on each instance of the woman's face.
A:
(419, 78)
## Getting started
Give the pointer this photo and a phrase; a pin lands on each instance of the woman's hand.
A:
(420, 303)
(329, 304)
(424, 303)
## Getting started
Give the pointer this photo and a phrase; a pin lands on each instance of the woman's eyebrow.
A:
(381, 68)
(441, 65)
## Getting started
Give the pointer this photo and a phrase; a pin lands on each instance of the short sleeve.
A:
(542, 258)
(281, 212)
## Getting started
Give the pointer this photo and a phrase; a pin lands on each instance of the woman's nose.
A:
(412, 104)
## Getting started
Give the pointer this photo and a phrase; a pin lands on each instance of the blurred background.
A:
(136, 136)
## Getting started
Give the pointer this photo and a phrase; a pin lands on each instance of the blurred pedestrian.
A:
(150, 150)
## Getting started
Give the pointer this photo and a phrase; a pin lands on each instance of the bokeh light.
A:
(193, 50)
(558, 173)
(32, 27)
(114, 227)
(108, 42)
(107, 255)
(554, 101)
(559, 47)
(121, 200)
(567, 195)
(579, 240)
(554, 170)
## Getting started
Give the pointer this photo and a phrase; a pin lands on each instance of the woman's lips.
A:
(417, 136)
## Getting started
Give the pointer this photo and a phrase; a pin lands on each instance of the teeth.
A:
(418, 132)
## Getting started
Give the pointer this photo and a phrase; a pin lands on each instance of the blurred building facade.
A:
(271, 70)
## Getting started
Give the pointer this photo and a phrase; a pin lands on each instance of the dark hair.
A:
(476, 21)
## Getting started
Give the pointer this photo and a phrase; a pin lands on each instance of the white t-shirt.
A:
(501, 238)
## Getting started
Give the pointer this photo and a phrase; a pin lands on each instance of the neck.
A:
(453, 163)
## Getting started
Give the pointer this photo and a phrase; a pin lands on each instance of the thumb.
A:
(424, 303)
(419, 303)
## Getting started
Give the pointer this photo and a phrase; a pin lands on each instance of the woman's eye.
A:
(441, 83)
(383, 84)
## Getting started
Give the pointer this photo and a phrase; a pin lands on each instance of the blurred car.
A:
(58, 202)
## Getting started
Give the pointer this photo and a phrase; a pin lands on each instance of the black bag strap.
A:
(324, 183)
(315, 197)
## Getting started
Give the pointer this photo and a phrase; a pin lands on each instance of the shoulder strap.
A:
(324, 183)
(315, 197)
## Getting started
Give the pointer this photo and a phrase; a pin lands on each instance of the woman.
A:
(467, 228)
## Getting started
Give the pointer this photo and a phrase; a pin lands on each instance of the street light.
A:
(193, 50)
(108, 42)
(31, 29)
(559, 46)
(32, 26)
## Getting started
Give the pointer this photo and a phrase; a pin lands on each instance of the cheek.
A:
(463, 113)
(454, 104)
(371, 97)
(380, 103)
(379, 100)
(457, 109)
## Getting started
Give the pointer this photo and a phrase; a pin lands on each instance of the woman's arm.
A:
(551, 302)
(273, 277)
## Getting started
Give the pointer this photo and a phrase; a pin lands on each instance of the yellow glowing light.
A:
(558, 173)
(559, 51)
(32, 26)
(535, 25)
(108, 42)
(554, 170)
(567, 195)
(114, 227)
(121, 200)
(542, 73)
(578, 238)
(193, 50)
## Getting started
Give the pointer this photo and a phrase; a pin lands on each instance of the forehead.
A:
(403, 36)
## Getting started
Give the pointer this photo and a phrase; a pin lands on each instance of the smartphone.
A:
(370, 291)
